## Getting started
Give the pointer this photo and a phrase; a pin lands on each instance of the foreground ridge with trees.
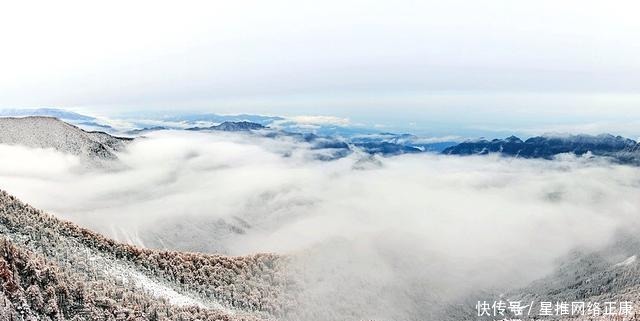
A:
(51, 269)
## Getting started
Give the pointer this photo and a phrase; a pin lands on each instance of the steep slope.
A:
(618, 148)
(609, 274)
(80, 274)
(47, 132)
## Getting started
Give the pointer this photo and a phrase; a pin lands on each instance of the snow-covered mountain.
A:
(47, 112)
(84, 121)
(48, 132)
(54, 270)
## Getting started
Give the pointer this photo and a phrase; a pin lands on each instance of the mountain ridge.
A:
(47, 112)
(618, 148)
(232, 126)
(49, 132)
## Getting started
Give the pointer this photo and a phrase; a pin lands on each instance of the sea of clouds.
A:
(369, 237)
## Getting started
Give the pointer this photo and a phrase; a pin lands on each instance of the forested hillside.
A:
(55, 270)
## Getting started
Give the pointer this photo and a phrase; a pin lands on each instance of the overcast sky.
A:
(478, 63)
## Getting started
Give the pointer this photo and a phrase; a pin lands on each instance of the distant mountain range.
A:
(620, 149)
(329, 146)
(412, 142)
(623, 150)
(328, 136)
(386, 144)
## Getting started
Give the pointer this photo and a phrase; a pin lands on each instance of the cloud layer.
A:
(370, 237)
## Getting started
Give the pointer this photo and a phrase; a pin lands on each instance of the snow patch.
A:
(162, 291)
(628, 261)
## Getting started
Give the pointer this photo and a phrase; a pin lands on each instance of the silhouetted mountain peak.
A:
(513, 139)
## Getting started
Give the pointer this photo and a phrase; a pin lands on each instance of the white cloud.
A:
(387, 233)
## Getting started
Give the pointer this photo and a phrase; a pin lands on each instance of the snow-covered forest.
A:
(55, 270)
